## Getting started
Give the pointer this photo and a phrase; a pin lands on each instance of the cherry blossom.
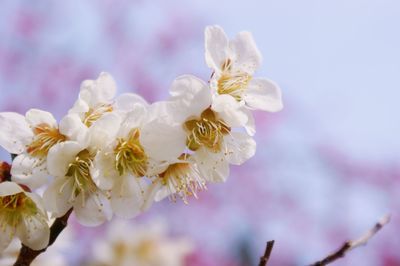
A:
(22, 214)
(234, 63)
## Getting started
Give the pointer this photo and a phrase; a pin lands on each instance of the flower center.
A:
(145, 250)
(12, 207)
(95, 113)
(208, 131)
(79, 170)
(182, 179)
(44, 138)
(232, 82)
(13, 202)
(130, 155)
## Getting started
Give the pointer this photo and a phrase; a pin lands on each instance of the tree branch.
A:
(27, 255)
(264, 259)
(349, 245)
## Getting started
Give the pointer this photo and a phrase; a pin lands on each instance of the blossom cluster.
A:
(147, 244)
(117, 155)
(122, 244)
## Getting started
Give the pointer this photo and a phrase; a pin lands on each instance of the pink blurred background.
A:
(327, 167)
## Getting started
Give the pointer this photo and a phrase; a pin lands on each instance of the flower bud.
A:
(5, 169)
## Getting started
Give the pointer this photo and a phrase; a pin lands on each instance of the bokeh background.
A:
(327, 167)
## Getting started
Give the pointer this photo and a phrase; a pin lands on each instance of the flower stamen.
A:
(13, 206)
(45, 137)
(182, 179)
(232, 82)
(95, 113)
(79, 170)
(208, 131)
(130, 155)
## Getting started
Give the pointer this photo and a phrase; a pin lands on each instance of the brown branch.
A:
(264, 259)
(349, 245)
(27, 255)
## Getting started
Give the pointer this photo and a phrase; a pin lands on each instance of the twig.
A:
(27, 255)
(264, 259)
(349, 245)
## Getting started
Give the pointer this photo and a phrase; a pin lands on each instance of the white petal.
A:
(155, 167)
(80, 107)
(104, 130)
(6, 235)
(246, 54)
(50, 259)
(127, 197)
(38, 201)
(36, 117)
(104, 251)
(172, 112)
(34, 232)
(103, 171)
(216, 45)
(92, 209)
(98, 91)
(239, 147)
(60, 156)
(86, 92)
(164, 192)
(192, 93)
(9, 188)
(263, 94)
(59, 196)
(106, 85)
(126, 101)
(250, 126)
(149, 195)
(230, 110)
(214, 167)
(71, 126)
(133, 119)
(162, 141)
(29, 170)
(15, 132)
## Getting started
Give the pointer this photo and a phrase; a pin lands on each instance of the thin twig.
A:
(27, 255)
(264, 259)
(349, 245)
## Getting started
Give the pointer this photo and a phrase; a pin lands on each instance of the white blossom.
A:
(52, 257)
(31, 138)
(181, 178)
(22, 215)
(140, 245)
(97, 98)
(121, 154)
(209, 123)
(71, 165)
(233, 63)
(142, 146)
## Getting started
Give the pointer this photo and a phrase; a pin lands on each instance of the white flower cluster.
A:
(149, 244)
(117, 155)
(55, 256)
